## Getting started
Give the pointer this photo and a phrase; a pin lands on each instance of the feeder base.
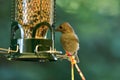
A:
(39, 57)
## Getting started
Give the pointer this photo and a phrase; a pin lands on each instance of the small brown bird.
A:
(69, 40)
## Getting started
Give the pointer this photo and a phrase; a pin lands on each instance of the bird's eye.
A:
(60, 27)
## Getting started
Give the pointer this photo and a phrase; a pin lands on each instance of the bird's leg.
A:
(66, 56)
(68, 53)
(71, 58)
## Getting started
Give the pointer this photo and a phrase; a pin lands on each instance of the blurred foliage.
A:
(97, 24)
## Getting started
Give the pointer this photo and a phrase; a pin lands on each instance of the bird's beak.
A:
(57, 29)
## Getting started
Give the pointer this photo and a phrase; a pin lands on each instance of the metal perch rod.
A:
(9, 50)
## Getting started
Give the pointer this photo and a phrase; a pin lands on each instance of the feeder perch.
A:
(31, 22)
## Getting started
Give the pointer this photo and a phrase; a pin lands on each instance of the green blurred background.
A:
(97, 24)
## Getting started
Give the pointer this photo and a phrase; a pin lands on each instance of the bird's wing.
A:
(70, 42)
(70, 36)
(74, 38)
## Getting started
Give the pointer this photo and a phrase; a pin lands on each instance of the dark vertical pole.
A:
(53, 25)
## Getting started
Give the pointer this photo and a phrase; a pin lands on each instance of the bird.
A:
(69, 40)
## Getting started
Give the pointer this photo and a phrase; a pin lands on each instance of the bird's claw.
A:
(62, 56)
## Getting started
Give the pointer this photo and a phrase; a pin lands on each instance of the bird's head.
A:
(65, 28)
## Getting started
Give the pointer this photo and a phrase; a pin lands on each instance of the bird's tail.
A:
(77, 58)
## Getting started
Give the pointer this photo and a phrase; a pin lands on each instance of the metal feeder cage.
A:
(31, 20)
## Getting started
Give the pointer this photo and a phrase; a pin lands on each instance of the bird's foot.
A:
(62, 56)
(68, 53)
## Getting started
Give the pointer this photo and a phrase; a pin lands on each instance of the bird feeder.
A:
(31, 22)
